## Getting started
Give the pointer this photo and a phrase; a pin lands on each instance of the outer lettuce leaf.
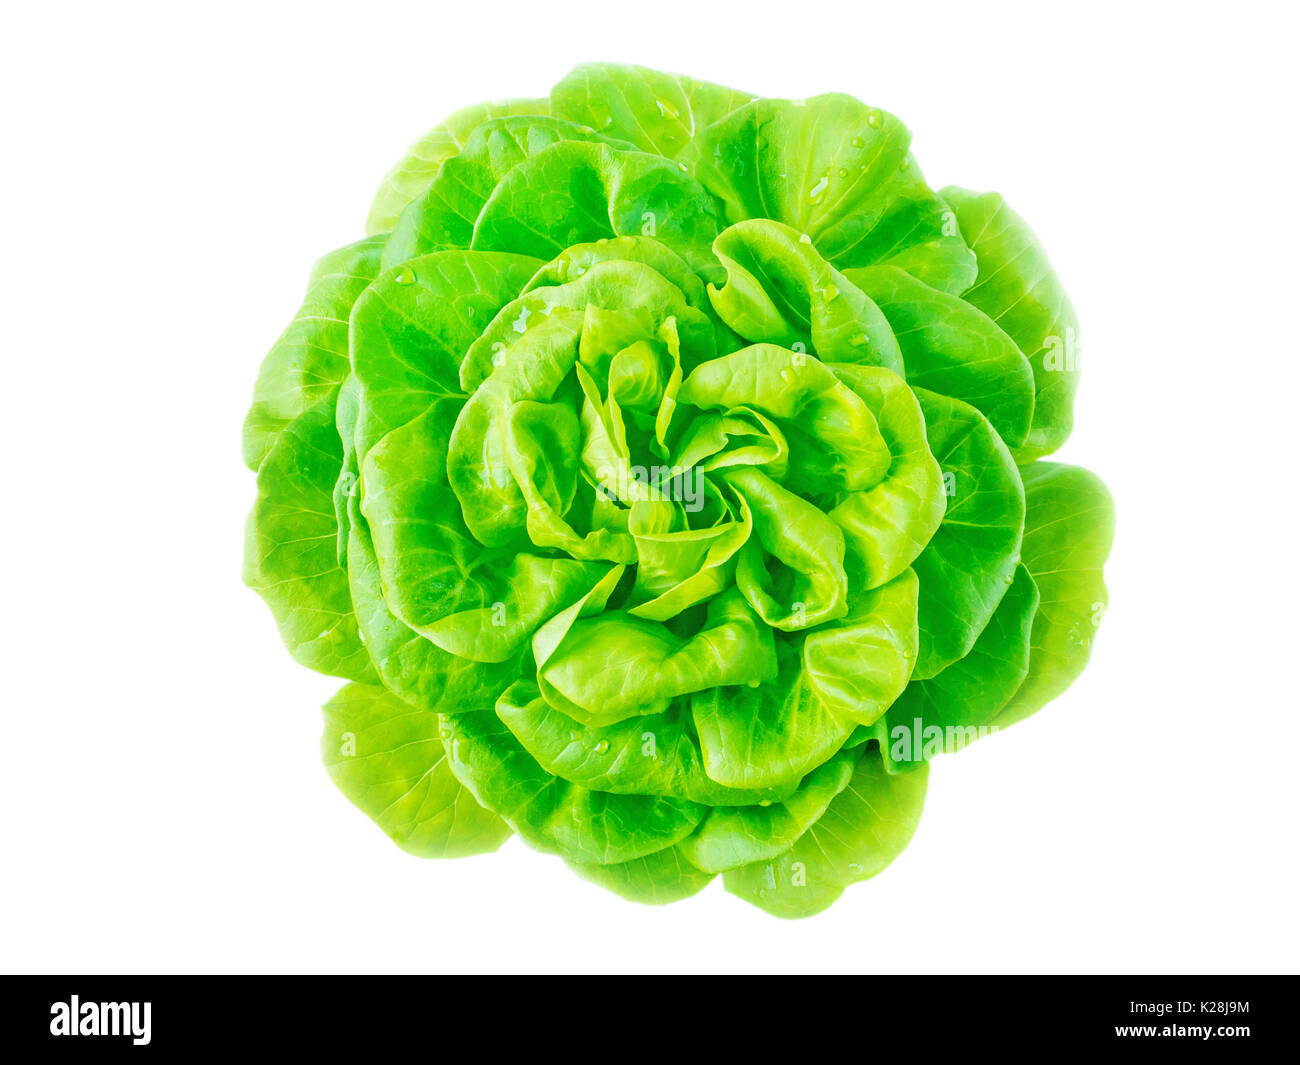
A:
(571, 193)
(1069, 526)
(950, 348)
(386, 757)
(310, 360)
(949, 710)
(415, 171)
(662, 877)
(1018, 290)
(839, 171)
(291, 547)
(659, 113)
(444, 215)
(734, 836)
(865, 827)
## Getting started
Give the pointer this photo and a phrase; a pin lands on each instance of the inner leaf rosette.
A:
(664, 475)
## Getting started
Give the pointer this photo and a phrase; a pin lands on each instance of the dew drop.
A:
(855, 868)
(842, 172)
(858, 142)
(405, 276)
(804, 238)
(874, 119)
(602, 747)
(816, 193)
(764, 802)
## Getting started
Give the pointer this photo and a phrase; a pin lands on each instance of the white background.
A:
(171, 173)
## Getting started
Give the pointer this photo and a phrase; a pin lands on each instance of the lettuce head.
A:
(665, 473)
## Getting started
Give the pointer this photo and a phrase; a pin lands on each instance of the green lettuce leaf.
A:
(386, 757)
(865, 827)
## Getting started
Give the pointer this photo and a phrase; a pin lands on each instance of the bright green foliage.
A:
(663, 470)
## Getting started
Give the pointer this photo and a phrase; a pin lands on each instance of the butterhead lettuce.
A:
(665, 473)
